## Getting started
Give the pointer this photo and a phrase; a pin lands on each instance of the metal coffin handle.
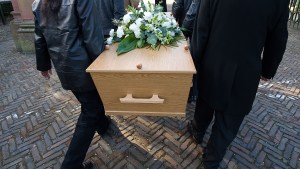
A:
(153, 100)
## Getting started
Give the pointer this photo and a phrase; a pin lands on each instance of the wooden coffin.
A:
(144, 81)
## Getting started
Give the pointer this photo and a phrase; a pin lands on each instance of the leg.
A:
(2, 14)
(164, 4)
(202, 118)
(224, 131)
(92, 118)
(193, 91)
(92, 110)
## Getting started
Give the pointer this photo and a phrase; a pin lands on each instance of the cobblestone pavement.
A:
(37, 119)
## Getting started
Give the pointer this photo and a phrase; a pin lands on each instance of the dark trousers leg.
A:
(92, 118)
(164, 4)
(224, 131)
(202, 117)
(193, 90)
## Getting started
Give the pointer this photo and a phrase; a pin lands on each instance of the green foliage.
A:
(127, 44)
(141, 43)
(147, 26)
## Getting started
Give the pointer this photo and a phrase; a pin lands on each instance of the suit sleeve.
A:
(119, 10)
(190, 16)
(201, 32)
(43, 61)
(275, 46)
(91, 28)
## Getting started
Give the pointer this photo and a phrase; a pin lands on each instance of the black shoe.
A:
(197, 136)
(103, 129)
(87, 165)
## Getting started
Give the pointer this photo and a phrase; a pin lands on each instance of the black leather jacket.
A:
(72, 41)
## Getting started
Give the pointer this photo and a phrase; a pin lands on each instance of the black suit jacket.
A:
(179, 10)
(109, 10)
(228, 40)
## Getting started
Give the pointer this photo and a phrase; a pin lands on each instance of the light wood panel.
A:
(166, 60)
(173, 88)
(165, 76)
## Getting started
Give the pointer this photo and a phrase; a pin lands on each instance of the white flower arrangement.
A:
(146, 26)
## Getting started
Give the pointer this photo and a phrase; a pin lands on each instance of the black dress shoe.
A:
(87, 165)
(197, 135)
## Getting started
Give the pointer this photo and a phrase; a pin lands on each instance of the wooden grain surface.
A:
(166, 60)
(173, 88)
(166, 73)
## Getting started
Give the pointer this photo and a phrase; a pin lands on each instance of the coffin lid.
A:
(165, 60)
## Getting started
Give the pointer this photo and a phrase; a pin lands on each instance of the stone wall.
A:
(22, 26)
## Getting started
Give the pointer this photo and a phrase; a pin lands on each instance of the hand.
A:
(47, 73)
(264, 79)
(106, 47)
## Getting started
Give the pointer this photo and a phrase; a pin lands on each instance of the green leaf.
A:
(152, 39)
(127, 44)
(116, 39)
(143, 5)
(140, 43)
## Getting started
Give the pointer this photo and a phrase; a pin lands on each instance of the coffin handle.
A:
(153, 100)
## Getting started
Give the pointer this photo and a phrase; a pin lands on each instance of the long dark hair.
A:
(50, 8)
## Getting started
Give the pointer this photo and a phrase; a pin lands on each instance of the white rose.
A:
(174, 23)
(120, 32)
(166, 24)
(136, 30)
(134, 27)
(148, 16)
(172, 33)
(137, 33)
(159, 17)
(109, 40)
(127, 18)
(139, 22)
(111, 32)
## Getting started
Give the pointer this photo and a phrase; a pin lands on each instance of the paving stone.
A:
(38, 117)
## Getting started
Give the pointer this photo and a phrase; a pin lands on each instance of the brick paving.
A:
(37, 119)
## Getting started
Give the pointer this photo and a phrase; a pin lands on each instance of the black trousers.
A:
(224, 130)
(193, 90)
(92, 118)
(164, 4)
